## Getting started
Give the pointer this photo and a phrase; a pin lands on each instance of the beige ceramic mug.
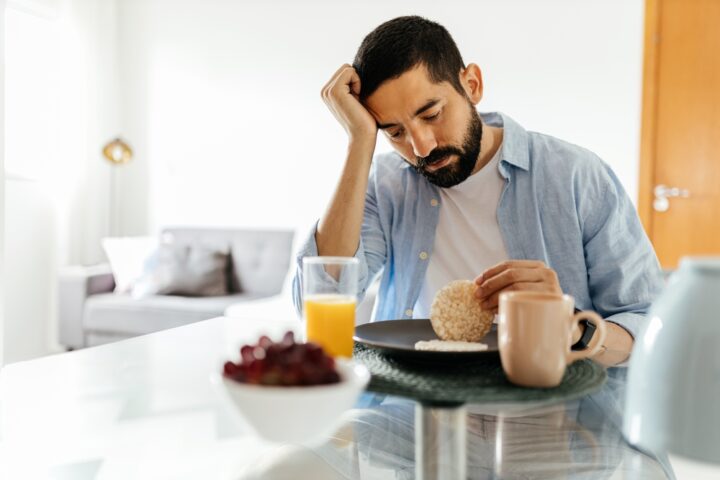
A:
(535, 336)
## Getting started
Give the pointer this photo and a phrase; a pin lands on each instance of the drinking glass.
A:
(330, 296)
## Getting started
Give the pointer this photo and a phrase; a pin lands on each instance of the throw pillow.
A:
(127, 257)
(189, 270)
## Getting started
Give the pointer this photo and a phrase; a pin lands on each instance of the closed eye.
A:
(396, 133)
(431, 118)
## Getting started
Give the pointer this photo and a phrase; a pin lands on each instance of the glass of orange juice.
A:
(329, 297)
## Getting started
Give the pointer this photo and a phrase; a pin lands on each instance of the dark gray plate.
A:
(397, 338)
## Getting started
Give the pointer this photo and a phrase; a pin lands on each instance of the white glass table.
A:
(145, 408)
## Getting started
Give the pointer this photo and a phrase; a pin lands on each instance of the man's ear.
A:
(471, 80)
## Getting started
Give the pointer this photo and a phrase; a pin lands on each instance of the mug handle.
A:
(599, 323)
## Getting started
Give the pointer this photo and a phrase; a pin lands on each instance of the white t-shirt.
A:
(468, 238)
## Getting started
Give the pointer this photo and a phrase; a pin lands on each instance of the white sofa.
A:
(91, 314)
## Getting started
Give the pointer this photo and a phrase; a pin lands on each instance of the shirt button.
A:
(423, 255)
(434, 202)
(408, 312)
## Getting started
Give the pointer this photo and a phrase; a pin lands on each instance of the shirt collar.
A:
(515, 141)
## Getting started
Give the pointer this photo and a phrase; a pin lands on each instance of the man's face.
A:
(432, 126)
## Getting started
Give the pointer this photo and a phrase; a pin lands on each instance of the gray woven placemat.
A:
(479, 381)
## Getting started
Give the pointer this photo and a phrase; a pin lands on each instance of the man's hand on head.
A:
(515, 275)
(341, 95)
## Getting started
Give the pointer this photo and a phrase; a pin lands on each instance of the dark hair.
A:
(402, 43)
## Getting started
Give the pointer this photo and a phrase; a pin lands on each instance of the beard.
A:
(458, 171)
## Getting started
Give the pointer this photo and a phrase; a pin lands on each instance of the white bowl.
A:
(303, 414)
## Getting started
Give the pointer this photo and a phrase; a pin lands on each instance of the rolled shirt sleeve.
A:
(624, 275)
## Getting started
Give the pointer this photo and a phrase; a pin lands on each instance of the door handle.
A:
(662, 195)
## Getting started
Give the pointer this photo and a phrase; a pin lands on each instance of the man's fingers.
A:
(336, 90)
(500, 267)
(508, 277)
(332, 85)
(491, 303)
(328, 86)
(517, 275)
(343, 82)
(354, 83)
(337, 73)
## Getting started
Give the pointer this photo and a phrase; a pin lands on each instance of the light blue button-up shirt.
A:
(561, 204)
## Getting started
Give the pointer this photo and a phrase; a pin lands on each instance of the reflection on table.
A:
(144, 408)
(578, 439)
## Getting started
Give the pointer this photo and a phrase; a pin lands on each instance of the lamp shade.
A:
(117, 152)
(673, 389)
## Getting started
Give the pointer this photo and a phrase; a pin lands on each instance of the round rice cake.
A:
(456, 314)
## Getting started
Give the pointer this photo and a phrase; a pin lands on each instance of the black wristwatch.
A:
(587, 334)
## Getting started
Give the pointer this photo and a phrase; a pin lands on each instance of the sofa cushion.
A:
(260, 258)
(191, 270)
(120, 313)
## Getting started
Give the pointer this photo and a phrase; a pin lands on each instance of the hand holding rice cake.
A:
(456, 314)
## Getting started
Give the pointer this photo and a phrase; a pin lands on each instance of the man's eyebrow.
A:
(428, 105)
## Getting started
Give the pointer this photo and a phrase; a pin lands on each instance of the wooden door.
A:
(680, 144)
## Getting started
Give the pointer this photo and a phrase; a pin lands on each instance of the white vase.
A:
(673, 392)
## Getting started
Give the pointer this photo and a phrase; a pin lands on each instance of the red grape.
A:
(283, 363)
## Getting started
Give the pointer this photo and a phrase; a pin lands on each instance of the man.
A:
(469, 196)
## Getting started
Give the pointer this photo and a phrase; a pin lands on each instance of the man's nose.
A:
(423, 141)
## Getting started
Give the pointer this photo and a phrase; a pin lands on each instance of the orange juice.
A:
(330, 322)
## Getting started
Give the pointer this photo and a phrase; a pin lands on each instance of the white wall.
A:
(30, 236)
(2, 183)
(56, 183)
(221, 98)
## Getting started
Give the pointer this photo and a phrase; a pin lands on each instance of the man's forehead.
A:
(406, 95)
(424, 107)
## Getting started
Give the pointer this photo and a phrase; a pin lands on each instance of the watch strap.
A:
(587, 334)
